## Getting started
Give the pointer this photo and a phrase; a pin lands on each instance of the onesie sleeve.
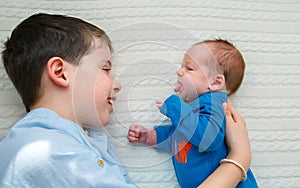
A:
(203, 126)
(163, 137)
(176, 109)
(173, 109)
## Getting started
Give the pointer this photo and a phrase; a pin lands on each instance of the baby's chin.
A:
(184, 98)
(188, 99)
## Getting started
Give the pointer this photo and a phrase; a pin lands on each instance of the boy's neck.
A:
(60, 107)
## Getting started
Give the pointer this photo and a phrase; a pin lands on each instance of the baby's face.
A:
(94, 90)
(194, 74)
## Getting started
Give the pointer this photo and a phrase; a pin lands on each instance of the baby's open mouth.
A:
(178, 87)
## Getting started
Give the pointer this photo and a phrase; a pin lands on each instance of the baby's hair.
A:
(230, 61)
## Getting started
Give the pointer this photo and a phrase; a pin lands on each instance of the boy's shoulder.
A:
(43, 126)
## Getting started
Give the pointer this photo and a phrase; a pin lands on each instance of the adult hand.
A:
(237, 136)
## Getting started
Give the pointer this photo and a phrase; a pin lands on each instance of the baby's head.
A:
(199, 73)
(230, 61)
(39, 38)
(206, 66)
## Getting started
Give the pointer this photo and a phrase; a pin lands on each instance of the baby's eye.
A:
(189, 68)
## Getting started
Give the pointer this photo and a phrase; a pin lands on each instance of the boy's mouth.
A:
(111, 100)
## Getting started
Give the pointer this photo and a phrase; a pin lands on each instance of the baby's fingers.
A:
(133, 136)
(136, 128)
(132, 139)
(133, 133)
(233, 114)
(159, 103)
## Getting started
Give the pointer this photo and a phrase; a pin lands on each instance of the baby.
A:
(210, 69)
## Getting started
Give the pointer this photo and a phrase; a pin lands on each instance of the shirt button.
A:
(100, 162)
(87, 132)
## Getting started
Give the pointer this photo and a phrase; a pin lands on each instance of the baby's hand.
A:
(136, 134)
(159, 103)
(140, 134)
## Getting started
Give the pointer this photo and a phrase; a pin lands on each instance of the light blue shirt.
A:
(46, 150)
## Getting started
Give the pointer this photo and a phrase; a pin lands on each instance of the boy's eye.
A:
(106, 69)
(189, 68)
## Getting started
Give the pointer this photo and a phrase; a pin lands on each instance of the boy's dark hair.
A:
(230, 61)
(38, 38)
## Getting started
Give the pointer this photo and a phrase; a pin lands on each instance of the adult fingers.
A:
(237, 118)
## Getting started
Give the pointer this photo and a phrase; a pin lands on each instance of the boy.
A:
(60, 66)
(196, 136)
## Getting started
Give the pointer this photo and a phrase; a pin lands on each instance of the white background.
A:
(150, 37)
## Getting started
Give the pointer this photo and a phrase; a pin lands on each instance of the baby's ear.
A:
(56, 70)
(218, 83)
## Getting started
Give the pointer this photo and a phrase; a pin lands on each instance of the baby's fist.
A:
(136, 133)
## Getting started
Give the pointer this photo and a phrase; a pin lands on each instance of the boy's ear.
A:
(56, 69)
(218, 83)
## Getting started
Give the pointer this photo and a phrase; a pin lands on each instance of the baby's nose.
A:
(179, 72)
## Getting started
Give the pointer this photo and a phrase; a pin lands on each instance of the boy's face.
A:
(94, 89)
(193, 78)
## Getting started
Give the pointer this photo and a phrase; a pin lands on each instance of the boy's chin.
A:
(97, 123)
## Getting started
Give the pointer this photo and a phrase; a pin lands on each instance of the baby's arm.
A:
(140, 134)
(228, 174)
(198, 127)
